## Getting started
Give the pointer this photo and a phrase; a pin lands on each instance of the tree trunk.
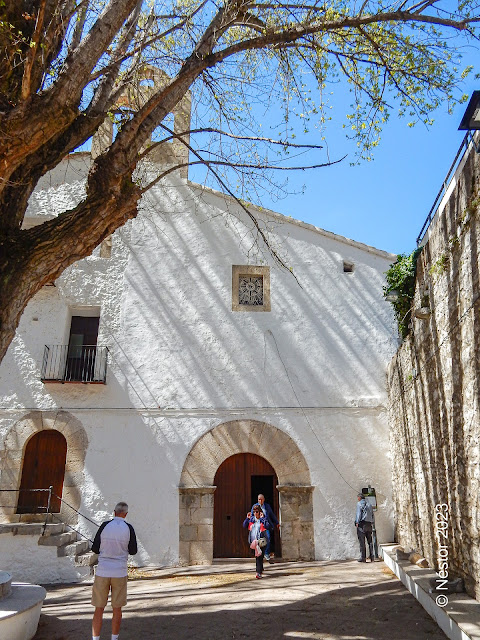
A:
(31, 258)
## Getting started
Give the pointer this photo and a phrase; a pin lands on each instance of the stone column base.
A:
(196, 525)
(296, 513)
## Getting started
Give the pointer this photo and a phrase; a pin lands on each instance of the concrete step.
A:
(87, 559)
(74, 549)
(32, 529)
(58, 540)
(29, 517)
(85, 572)
(82, 547)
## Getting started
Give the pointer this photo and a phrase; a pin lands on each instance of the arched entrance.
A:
(12, 458)
(197, 488)
(43, 466)
(239, 480)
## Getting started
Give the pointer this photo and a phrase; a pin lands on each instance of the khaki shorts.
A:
(101, 588)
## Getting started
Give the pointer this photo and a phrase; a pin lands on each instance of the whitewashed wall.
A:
(181, 362)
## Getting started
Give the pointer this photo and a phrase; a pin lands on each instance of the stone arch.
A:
(196, 487)
(11, 460)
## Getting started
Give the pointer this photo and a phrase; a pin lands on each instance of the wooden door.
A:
(239, 480)
(43, 466)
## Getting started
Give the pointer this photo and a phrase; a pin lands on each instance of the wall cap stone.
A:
(205, 489)
(295, 488)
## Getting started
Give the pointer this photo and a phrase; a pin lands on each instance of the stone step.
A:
(74, 549)
(85, 572)
(87, 559)
(32, 529)
(29, 517)
(58, 540)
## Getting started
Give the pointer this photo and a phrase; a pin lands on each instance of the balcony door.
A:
(82, 349)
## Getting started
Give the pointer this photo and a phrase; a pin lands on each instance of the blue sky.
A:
(383, 202)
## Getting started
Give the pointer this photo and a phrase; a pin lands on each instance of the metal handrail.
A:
(51, 514)
(446, 182)
(72, 528)
(7, 506)
(50, 489)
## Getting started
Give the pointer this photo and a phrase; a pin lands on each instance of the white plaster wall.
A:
(26, 561)
(182, 362)
(334, 346)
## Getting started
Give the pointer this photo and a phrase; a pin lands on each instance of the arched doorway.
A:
(197, 488)
(239, 480)
(43, 466)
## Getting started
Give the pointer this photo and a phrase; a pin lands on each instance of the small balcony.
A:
(72, 363)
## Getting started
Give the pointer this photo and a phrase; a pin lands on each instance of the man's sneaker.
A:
(258, 575)
(361, 560)
(267, 556)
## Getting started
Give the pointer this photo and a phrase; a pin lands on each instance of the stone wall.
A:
(433, 389)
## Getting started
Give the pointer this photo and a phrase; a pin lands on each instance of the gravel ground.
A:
(314, 601)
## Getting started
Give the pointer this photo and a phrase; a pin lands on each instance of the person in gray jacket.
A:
(364, 524)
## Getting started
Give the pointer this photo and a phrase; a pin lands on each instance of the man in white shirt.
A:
(114, 541)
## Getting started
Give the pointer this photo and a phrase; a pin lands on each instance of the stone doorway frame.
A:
(196, 488)
(12, 455)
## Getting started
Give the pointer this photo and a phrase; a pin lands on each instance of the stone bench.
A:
(459, 619)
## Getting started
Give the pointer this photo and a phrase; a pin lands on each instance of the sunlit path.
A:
(322, 600)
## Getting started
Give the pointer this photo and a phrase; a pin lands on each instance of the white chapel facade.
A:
(184, 372)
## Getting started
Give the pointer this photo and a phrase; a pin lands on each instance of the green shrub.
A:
(401, 277)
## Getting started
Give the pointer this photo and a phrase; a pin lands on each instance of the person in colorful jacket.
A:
(257, 528)
(272, 521)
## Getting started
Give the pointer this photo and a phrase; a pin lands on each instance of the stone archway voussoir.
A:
(196, 487)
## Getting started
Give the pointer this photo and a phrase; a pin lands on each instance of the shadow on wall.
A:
(135, 458)
(179, 304)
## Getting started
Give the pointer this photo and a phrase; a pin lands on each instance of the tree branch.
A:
(78, 31)
(282, 143)
(223, 184)
(27, 70)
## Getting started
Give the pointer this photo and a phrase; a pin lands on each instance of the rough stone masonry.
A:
(434, 391)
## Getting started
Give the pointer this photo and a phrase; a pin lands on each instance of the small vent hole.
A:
(348, 267)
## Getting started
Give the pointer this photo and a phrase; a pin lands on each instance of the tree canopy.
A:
(71, 68)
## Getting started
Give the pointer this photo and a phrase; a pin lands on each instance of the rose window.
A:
(250, 290)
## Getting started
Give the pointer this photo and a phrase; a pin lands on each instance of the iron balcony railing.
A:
(64, 363)
(464, 147)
